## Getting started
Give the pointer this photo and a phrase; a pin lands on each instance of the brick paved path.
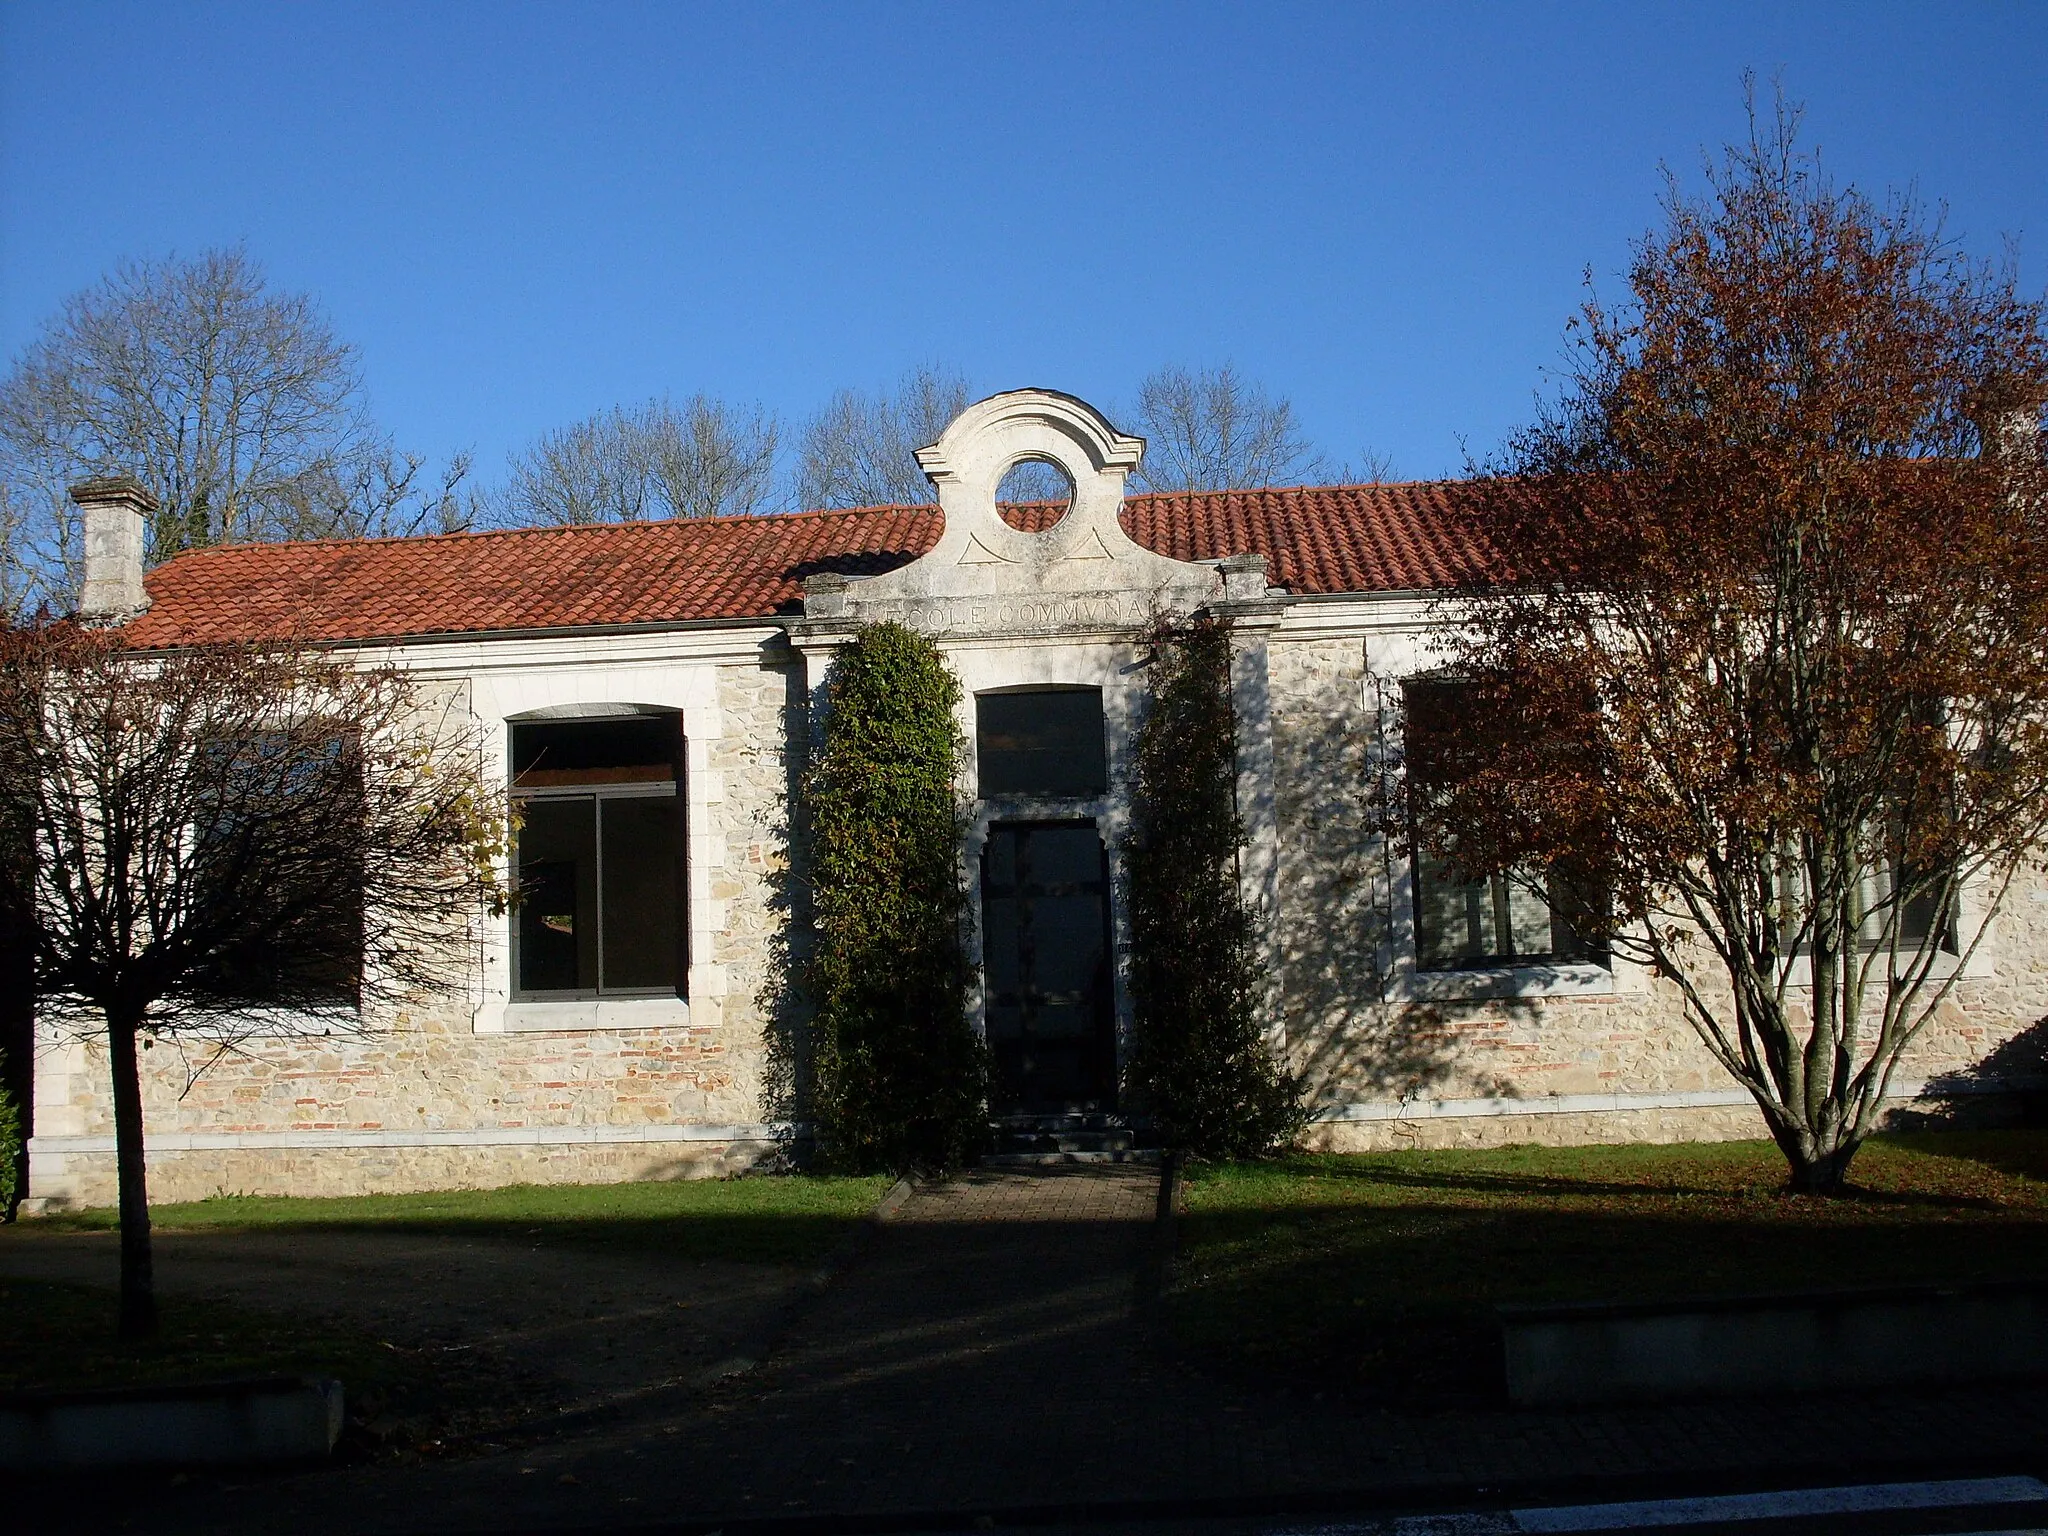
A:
(987, 1352)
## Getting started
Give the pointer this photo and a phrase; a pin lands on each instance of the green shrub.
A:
(900, 1082)
(10, 1150)
(1200, 1065)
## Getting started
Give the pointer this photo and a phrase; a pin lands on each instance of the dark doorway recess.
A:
(1045, 957)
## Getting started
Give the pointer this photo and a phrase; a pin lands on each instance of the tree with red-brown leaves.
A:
(228, 842)
(1764, 694)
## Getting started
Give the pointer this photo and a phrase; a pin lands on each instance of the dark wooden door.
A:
(1045, 959)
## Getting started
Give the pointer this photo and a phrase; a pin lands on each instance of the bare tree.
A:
(861, 450)
(1764, 701)
(381, 494)
(235, 404)
(230, 840)
(1373, 466)
(1212, 429)
(21, 584)
(702, 458)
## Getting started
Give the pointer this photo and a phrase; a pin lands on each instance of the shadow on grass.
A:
(61, 1335)
(1540, 1184)
(400, 1397)
(782, 1220)
(1382, 1280)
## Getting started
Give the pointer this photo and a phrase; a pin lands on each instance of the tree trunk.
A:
(17, 1005)
(138, 1283)
(1821, 1173)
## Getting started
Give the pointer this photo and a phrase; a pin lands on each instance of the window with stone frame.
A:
(599, 858)
(1503, 918)
(1041, 742)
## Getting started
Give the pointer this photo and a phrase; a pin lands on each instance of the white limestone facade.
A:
(479, 1088)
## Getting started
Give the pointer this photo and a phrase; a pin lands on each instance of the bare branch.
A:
(1212, 429)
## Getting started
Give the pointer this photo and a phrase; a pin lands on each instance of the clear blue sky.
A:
(524, 213)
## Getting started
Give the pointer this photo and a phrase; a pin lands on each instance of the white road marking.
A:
(1412, 1525)
(1767, 1506)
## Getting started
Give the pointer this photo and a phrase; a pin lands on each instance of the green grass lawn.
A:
(62, 1336)
(1378, 1274)
(780, 1219)
(402, 1398)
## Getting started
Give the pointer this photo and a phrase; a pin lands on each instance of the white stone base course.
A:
(74, 1176)
(75, 1171)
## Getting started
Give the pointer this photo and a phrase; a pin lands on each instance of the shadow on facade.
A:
(781, 998)
(2007, 1087)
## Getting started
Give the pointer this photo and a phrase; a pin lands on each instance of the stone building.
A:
(648, 685)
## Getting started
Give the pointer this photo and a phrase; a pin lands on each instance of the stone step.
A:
(1080, 1120)
(1062, 1138)
(1142, 1155)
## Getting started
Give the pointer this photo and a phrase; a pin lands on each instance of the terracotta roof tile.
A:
(1316, 539)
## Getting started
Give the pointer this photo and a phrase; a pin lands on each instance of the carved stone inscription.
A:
(1051, 613)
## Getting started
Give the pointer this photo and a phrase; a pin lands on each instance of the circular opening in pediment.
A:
(1034, 494)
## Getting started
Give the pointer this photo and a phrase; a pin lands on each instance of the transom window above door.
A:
(1040, 742)
(599, 858)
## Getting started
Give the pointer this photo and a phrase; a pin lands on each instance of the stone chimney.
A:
(114, 510)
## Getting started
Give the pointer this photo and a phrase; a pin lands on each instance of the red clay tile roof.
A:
(1386, 538)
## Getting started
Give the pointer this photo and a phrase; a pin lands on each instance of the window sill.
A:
(612, 1013)
(1578, 978)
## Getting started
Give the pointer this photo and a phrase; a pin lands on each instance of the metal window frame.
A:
(597, 794)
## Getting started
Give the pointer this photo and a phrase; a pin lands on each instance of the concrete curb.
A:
(1572, 1353)
(228, 1423)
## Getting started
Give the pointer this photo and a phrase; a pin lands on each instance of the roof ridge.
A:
(1266, 490)
(413, 540)
(771, 518)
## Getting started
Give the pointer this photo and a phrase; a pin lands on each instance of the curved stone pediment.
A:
(986, 577)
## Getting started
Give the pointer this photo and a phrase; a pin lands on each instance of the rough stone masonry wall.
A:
(1353, 1048)
(425, 1069)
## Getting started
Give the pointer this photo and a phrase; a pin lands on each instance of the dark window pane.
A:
(283, 806)
(628, 750)
(639, 893)
(1497, 920)
(558, 896)
(1454, 918)
(1916, 923)
(1044, 742)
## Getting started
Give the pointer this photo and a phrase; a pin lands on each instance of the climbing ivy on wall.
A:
(899, 1079)
(1200, 1064)
(10, 1151)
